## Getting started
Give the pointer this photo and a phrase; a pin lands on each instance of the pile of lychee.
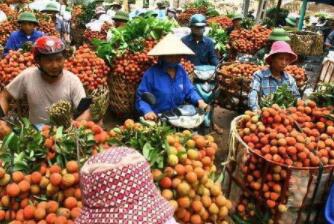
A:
(279, 139)
(50, 195)
(186, 182)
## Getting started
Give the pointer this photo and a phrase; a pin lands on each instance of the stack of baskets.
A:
(234, 88)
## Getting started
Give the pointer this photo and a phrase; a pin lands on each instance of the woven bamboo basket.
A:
(122, 96)
(234, 90)
(307, 43)
(304, 190)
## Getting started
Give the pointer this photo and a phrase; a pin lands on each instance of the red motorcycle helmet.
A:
(48, 45)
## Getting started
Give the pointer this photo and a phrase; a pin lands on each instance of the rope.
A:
(233, 138)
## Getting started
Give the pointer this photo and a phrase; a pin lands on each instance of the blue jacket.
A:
(329, 208)
(18, 38)
(169, 93)
(205, 53)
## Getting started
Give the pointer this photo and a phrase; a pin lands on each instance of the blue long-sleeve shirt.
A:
(169, 93)
(18, 38)
(329, 208)
(205, 53)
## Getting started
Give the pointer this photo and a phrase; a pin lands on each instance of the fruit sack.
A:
(283, 160)
(307, 43)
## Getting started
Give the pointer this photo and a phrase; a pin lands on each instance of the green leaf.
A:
(13, 143)
(59, 133)
(146, 150)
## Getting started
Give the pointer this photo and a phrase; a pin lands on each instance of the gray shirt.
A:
(41, 94)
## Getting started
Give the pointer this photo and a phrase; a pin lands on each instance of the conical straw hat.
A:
(170, 45)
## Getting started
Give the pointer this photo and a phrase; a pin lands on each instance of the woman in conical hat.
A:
(167, 80)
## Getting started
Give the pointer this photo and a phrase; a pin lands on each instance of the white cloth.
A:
(95, 25)
(39, 5)
(181, 31)
(111, 13)
(171, 221)
(3, 16)
(105, 18)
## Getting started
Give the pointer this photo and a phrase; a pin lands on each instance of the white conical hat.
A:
(170, 45)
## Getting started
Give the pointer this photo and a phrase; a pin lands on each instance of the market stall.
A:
(280, 160)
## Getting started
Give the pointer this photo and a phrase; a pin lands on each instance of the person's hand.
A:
(202, 105)
(151, 116)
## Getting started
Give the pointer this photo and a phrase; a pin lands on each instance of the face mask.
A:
(167, 65)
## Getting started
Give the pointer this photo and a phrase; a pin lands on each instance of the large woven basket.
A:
(307, 43)
(122, 96)
(304, 190)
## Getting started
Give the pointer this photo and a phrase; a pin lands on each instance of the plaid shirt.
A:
(264, 84)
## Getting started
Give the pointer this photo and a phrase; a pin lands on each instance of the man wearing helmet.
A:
(27, 32)
(202, 46)
(45, 84)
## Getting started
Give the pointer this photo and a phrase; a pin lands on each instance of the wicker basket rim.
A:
(235, 133)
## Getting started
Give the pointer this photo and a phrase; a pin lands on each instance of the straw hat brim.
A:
(170, 45)
(294, 57)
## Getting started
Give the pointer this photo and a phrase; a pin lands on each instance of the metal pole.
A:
(302, 15)
(246, 7)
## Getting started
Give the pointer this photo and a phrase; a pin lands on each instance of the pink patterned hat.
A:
(281, 47)
(117, 187)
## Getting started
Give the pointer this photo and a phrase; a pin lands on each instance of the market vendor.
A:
(99, 19)
(120, 18)
(26, 33)
(61, 26)
(171, 16)
(278, 34)
(162, 7)
(114, 8)
(126, 192)
(268, 80)
(329, 42)
(46, 83)
(167, 80)
(236, 21)
(203, 46)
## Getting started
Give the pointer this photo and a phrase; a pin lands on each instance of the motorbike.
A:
(184, 116)
(205, 84)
